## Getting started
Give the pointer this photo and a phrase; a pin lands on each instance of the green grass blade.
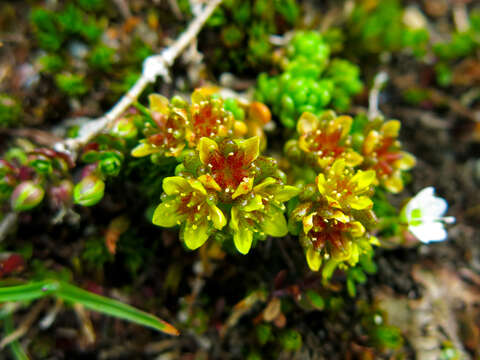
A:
(17, 351)
(30, 291)
(112, 307)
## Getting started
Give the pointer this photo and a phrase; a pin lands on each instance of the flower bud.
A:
(124, 128)
(61, 194)
(26, 196)
(89, 191)
(110, 164)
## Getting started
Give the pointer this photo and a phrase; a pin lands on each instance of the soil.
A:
(431, 293)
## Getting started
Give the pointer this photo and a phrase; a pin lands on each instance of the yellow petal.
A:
(166, 214)
(218, 218)
(337, 168)
(360, 202)
(202, 94)
(371, 142)
(362, 180)
(344, 123)
(264, 184)
(391, 128)
(195, 234)
(333, 202)
(314, 260)
(197, 185)
(175, 185)
(158, 103)
(356, 229)
(253, 204)
(250, 147)
(209, 182)
(243, 238)
(308, 222)
(286, 192)
(274, 223)
(234, 218)
(244, 188)
(406, 162)
(394, 183)
(303, 144)
(340, 216)
(321, 182)
(353, 158)
(307, 123)
(205, 147)
(144, 149)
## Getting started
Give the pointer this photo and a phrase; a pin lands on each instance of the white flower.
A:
(424, 216)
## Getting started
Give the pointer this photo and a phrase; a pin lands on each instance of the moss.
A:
(10, 111)
(71, 84)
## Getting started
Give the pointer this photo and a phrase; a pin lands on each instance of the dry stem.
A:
(153, 66)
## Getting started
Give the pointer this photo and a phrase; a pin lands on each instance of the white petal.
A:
(431, 207)
(429, 232)
(417, 200)
(434, 208)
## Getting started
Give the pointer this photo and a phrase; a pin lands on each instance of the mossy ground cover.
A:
(90, 224)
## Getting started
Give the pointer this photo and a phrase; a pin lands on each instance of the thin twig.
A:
(25, 325)
(153, 67)
(380, 79)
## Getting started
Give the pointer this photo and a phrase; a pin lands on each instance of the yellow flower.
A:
(330, 235)
(345, 189)
(230, 164)
(187, 203)
(262, 211)
(382, 153)
(208, 118)
(327, 138)
(166, 135)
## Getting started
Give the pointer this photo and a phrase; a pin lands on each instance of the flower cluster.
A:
(310, 81)
(347, 159)
(225, 182)
(334, 214)
(27, 174)
(105, 157)
(174, 126)
(322, 140)
(379, 145)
